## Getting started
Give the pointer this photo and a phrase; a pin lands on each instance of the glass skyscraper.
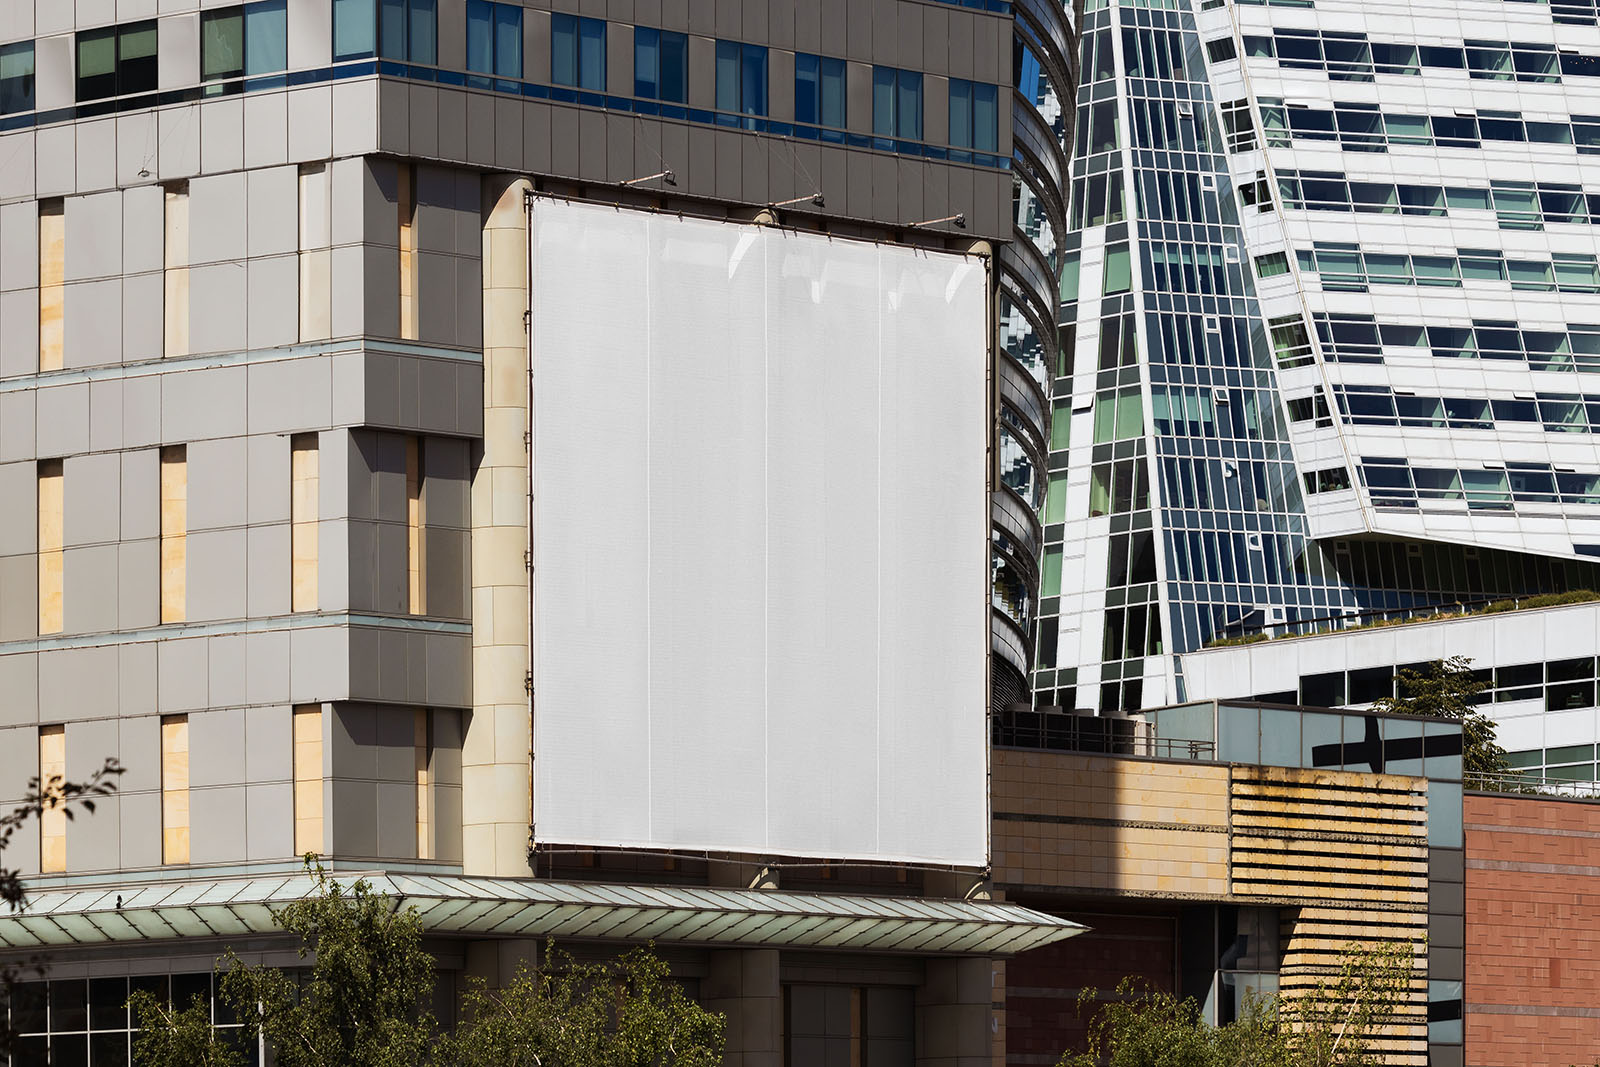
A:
(1328, 281)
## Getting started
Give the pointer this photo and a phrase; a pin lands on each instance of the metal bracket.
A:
(527, 320)
(527, 682)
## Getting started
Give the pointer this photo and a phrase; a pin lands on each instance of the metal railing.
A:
(1247, 629)
(1062, 731)
(1532, 783)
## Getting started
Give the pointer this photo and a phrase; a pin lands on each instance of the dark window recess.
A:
(661, 65)
(1322, 690)
(1221, 50)
(1373, 683)
(117, 61)
(16, 78)
(819, 90)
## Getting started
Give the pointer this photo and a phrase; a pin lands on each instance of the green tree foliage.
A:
(362, 1003)
(1447, 690)
(627, 1013)
(1331, 1024)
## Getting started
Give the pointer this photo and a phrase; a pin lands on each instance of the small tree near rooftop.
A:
(1447, 690)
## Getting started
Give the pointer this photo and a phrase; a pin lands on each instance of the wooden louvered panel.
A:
(1358, 846)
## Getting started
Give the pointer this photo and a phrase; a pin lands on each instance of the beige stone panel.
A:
(305, 484)
(53, 819)
(316, 234)
(406, 208)
(308, 780)
(423, 746)
(52, 539)
(416, 578)
(52, 284)
(175, 789)
(174, 532)
(175, 315)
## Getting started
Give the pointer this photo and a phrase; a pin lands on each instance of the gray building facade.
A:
(263, 406)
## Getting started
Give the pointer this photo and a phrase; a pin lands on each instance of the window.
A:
(242, 41)
(1237, 126)
(117, 61)
(1221, 50)
(578, 52)
(175, 789)
(16, 78)
(897, 103)
(422, 749)
(974, 116)
(741, 82)
(494, 41)
(407, 29)
(51, 496)
(1272, 265)
(819, 94)
(1118, 276)
(395, 29)
(661, 65)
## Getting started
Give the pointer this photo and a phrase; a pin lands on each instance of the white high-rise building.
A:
(1329, 324)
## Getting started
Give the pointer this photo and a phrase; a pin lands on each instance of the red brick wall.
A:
(1533, 931)
(1042, 986)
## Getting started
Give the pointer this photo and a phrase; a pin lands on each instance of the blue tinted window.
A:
(578, 52)
(494, 38)
(407, 30)
(660, 65)
(960, 113)
(266, 37)
(354, 29)
(16, 78)
(741, 82)
(897, 103)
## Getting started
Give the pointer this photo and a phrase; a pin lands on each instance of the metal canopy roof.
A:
(504, 907)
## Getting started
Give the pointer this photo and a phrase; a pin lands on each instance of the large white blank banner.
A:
(760, 534)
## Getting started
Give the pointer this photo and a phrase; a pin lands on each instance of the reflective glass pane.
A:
(266, 37)
(355, 28)
(221, 45)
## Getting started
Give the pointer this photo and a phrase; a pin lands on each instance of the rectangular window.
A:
(307, 779)
(416, 571)
(741, 83)
(175, 309)
(52, 284)
(408, 30)
(578, 52)
(897, 103)
(819, 90)
(1118, 276)
(355, 29)
(52, 540)
(661, 65)
(117, 61)
(422, 734)
(174, 531)
(175, 789)
(243, 41)
(494, 39)
(53, 819)
(406, 209)
(1272, 265)
(16, 78)
(305, 484)
(974, 115)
